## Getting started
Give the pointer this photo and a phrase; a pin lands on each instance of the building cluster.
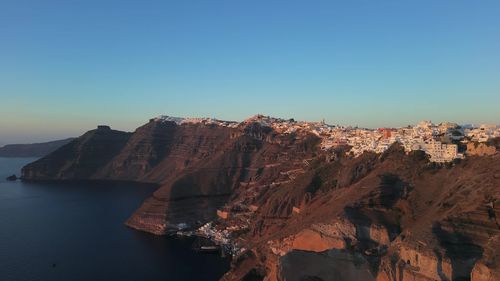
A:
(221, 237)
(439, 141)
(206, 121)
(209, 231)
(482, 133)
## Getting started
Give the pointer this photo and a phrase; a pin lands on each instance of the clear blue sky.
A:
(68, 65)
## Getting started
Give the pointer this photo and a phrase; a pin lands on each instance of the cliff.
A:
(197, 166)
(297, 212)
(80, 159)
(385, 217)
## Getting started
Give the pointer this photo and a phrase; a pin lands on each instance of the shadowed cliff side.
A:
(249, 160)
(197, 166)
(80, 159)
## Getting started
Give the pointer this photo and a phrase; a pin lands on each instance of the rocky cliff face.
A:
(80, 159)
(302, 213)
(392, 217)
(196, 166)
(483, 149)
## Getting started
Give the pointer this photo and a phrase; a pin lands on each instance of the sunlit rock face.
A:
(408, 219)
(482, 272)
(482, 149)
(311, 240)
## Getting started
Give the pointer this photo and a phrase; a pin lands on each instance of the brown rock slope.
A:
(394, 216)
(80, 159)
(210, 164)
(197, 166)
(320, 215)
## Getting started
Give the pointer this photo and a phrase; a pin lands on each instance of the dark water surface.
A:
(69, 231)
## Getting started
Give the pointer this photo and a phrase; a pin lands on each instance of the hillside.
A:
(385, 217)
(193, 165)
(294, 211)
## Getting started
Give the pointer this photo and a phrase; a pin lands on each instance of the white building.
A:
(440, 152)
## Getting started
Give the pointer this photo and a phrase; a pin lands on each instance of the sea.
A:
(75, 231)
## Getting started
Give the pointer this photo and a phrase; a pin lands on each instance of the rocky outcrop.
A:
(480, 149)
(318, 238)
(11, 178)
(80, 159)
(483, 272)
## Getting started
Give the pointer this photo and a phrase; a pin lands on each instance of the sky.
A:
(68, 65)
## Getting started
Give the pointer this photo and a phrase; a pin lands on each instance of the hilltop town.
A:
(443, 142)
(265, 189)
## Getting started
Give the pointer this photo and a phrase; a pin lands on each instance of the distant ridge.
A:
(32, 150)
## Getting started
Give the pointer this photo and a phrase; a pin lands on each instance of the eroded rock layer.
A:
(299, 212)
(407, 218)
(196, 166)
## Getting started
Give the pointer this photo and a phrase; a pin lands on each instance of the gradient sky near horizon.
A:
(67, 65)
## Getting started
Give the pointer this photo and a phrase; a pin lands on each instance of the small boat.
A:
(214, 248)
(205, 245)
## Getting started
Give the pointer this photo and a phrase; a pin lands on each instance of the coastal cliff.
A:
(80, 159)
(196, 166)
(387, 217)
(295, 211)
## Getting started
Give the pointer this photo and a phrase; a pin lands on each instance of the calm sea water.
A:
(72, 232)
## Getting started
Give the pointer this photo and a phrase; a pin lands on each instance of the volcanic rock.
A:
(393, 216)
